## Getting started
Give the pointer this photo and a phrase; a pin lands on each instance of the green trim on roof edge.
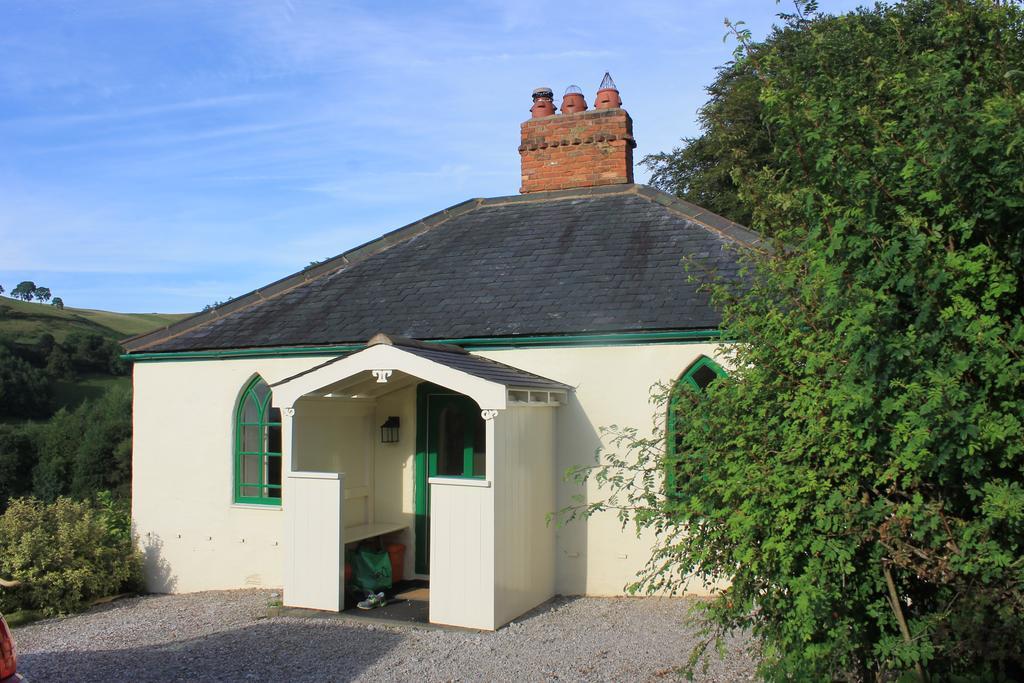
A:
(469, 343)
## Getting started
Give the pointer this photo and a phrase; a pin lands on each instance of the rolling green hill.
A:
(25, 322)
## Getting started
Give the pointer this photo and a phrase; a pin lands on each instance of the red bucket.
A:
(396, 551)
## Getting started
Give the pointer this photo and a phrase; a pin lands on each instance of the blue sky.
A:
(166, 154)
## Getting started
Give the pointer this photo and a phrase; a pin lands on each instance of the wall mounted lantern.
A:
(389, 430)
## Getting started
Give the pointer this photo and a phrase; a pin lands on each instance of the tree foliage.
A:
(25, 290)
(734, 142)
(24, 390)
(86, 450)
(17, 460)
(859, 476)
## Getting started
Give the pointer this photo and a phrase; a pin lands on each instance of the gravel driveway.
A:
(223, 636)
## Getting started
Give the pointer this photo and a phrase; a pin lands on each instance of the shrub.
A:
(66, 553)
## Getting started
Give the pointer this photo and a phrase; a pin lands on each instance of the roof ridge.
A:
(406, 342)
(354, 255)
(707, 219)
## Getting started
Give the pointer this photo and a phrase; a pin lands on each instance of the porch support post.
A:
(489, 414)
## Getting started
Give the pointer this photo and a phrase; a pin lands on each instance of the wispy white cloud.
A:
(140, 111)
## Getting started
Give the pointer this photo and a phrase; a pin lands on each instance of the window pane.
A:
(273, 475)
(273, 415)
(273, 439)
(704, 376)
(451, 431)
(249, 491)
(251, 466)
(480, 448)
(262, 391)
(251, 438)
(250, 411)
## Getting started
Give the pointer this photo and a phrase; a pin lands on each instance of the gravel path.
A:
(223, 636)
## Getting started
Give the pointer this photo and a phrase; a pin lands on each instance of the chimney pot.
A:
(543, 104)
(607, 94)
(572, 100)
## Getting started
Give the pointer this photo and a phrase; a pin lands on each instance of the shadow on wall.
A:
(264, 651)
(577, 443)
(155, 569)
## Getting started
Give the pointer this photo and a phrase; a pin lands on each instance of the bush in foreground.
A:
(66, 553)
(858, 478)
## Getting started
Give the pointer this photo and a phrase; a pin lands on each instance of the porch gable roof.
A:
(484, 380)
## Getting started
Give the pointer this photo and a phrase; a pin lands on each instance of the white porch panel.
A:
(462, 554)
(525, 481)
(492, 552)
(313, 546)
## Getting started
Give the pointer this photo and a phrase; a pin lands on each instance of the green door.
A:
(450, 442)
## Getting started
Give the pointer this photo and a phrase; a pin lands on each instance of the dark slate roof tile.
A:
(603, 260)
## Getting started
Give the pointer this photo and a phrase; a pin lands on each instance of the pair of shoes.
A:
(372, 601)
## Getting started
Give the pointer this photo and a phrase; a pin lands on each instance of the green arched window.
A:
(698, 377)
(257, 447)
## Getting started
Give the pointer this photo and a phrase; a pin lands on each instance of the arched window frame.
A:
(689, 378)
(265, 430)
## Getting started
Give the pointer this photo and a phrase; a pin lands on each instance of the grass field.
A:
(25, 322)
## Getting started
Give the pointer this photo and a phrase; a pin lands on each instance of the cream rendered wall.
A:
(524, 492)
(195, 538)
(613, 386)
(192, 534)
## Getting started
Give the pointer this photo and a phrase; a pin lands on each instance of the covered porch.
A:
(450, 454)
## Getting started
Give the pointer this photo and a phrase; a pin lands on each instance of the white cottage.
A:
(431, 387)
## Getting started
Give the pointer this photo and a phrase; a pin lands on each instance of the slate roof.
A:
(490, 370)
(591, 260)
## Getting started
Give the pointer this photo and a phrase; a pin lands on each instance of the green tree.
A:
(42, 294)
(24, 390)
(103, 458)
(86, 450)
(734, 142)
(57, 444)
(859, 476)
(44, 346)
(58, 302)
(24, 291)
(94, 353)
(17, 458)
(58, 364)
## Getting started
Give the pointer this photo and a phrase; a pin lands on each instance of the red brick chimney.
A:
(577, 148)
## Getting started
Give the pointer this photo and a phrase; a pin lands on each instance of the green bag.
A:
(371, 570)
